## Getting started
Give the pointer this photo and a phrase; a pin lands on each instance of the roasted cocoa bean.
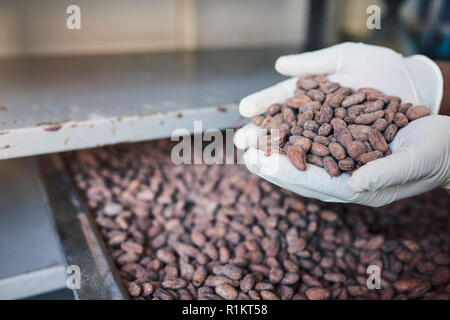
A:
(316, 95)
(372, 106)
(378, 141)
(273, 109)
(336, 100)
(416, 112)
(340, 113)
(319, 149)
(325, 130)
(331, 166)
(257, 120)
(346, 164)
(297, 156)
(329, 87)
(337, 151)
(303, 117)
(380, 125)
(309, 134)
(322, 140)
(370, 156)
(227, 292)
(355, 149)
(404, 107)
(325, 115)
(311, 125)
(315, 160)
(400, 120)
(342, 135)
(390, 132)
(353, 99)
(369, 118)
(318, 294)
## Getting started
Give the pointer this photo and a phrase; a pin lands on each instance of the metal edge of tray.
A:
(80, 240)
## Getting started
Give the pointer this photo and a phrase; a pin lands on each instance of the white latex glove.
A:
(420, 159)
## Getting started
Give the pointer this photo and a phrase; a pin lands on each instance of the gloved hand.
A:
(420, 159)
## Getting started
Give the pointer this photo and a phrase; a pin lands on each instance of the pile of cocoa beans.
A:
(220, 232)
(334, 127)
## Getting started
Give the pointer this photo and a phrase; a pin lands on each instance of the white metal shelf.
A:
(65, 103)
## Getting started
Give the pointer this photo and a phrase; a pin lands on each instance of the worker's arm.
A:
(445, 68)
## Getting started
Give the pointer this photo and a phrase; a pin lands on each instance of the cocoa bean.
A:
(315, 160)
(372, 106)
(331, 166)
(229, 271)
(406, 285)
(329, 87)
(416, 112)
(227, 292)
(322, 140)
(174, 283)
(298, 101)
(353, 99)
(325, 115)
(356, 148)
(268, 295)
(317, 294)
(380, 125)
(133, 289)
(377, 141)
(316, 95)
(400, 120)
(390, 132)
(199, 276)
(336, 100)
(311, 125)
(337, 151)
(319, 149)
(325, 130)
(346, 164)
(257, 120)
(342, 135)
(369, 118)
(312, 106)
(370, 156)
(404, 107)
(247, 282)
(303, 117)
(340, 112)
(273, 109)
(297, 156)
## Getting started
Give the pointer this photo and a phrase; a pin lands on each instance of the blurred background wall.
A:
(116, 26)
(121, 26)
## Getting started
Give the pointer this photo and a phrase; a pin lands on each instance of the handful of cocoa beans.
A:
(334, 127)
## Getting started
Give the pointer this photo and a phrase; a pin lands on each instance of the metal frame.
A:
(79, 239)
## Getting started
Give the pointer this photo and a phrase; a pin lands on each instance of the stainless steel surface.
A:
(58, 104)
(80, 241)
(31, 261)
